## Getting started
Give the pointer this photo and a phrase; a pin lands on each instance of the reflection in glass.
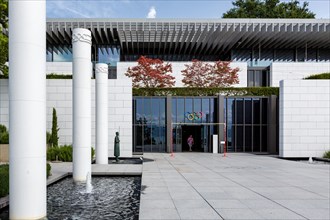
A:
(162, 111)
(147, 110)
(147, 138)
(174, 113)
(188, 109)
(206, 110)
(155, 138)
(198, 110)
(155, 104)
(139, 116)
(212, 113)
(149, 129)
(62, 57)
(180, 110)
(109, 54)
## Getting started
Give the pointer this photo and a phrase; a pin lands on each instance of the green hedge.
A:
(4, 138)
(49, 76)
(62, 153)
(251, 91)
(4, 180)
(4, 135)
(58, 76)
(327, 154)
(319, 76)
(3, 128)
(49, 169)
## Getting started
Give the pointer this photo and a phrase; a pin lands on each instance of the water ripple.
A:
(111, 198)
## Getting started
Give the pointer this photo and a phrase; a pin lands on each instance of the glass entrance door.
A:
(177, 138)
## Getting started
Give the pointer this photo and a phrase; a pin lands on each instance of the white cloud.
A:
(152, 12)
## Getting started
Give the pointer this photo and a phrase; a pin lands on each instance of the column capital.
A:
(81, 35)
(101, 68)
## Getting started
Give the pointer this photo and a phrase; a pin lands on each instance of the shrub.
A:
(49, 168)
(3, 128)
(319, 76)
(327, 154)
(48, 138)
(4, 135)
(55, 129)
(4, 180)
(4, 138)
(93, 152)
(65, 153)
(62, 153)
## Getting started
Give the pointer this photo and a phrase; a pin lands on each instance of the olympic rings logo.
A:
(194, 115)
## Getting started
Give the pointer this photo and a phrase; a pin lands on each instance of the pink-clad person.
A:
(190, 142)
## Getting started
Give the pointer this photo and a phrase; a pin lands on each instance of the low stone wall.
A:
(304, 118)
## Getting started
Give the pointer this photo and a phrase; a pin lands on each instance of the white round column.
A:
(82, 67)
(27, 105)
(101, 73)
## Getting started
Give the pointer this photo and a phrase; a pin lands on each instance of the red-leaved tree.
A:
(196, 73)
(203, 74)
(151, 73)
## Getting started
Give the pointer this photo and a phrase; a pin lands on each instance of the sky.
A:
(154, 9)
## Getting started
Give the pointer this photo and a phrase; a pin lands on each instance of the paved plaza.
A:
(210, 186)
(240, 186)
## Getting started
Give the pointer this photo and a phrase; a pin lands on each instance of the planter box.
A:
(4, 152)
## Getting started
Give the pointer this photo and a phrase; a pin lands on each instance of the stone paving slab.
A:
(240, 186)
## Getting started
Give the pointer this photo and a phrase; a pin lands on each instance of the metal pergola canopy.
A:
(192, 37)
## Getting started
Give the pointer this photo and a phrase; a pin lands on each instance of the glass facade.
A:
(193, 116)
(246, 122)
(258, 77)
(108, 54)
(149, 127)
(264, 57)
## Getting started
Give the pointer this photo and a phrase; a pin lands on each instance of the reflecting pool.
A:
(110, 198)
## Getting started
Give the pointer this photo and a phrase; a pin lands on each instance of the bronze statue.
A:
(117, 148)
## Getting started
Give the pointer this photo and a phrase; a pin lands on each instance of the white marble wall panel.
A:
(59, 96)
(295, 70)
(304, 118)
